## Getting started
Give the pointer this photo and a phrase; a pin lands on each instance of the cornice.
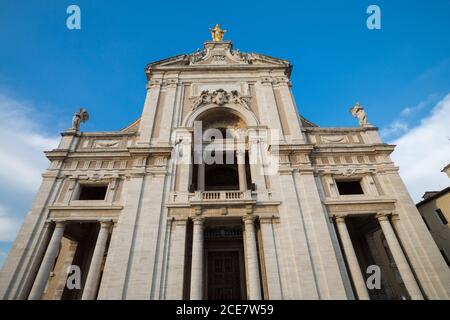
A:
(352, 148)
(357, 200)
(339, 129)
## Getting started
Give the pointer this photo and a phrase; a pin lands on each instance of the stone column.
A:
(175, 272)
(251, 259)
(201, 176)
(240, 154)
(17, 269)
(290, 109)
(47, 263)
(352, 260)
(271, 256)
(47, 233)
(95, 269)
(169, 88)
(150, 108)
(399, 257)
(197, 260)
(269, 104)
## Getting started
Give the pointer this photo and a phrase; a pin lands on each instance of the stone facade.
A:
(160, 226)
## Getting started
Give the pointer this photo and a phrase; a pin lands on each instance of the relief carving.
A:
(334, 139)
(106, 143)
(220, 97)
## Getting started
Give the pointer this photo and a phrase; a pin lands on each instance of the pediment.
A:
(179, 60)
(132, 127)
(218, 53)
(222, 53)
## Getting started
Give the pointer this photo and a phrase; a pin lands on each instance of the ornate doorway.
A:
(224, 264)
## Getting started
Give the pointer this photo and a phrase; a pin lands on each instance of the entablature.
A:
(359, 205)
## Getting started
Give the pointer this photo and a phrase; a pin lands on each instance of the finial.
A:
(217, 33)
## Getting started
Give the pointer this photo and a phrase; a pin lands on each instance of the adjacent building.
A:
(435, 211)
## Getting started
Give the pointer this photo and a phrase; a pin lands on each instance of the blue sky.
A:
(400, 74)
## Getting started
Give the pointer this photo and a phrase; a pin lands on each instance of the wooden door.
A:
(224, 275)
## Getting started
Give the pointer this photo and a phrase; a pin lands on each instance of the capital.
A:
(181, 221)
(198, 220)
(340, 218)
(47, 223)
(105, 223)
(240, 151)
(60, 224)
(382, 216)
(153, 84)
(249, 219)
(268, 220)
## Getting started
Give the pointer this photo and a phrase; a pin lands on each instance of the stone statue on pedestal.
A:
(358, 112)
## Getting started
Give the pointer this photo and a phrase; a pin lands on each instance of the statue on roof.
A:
(358, 112)
(217, 33)
(80, 116)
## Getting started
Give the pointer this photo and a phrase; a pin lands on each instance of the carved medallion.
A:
(220, 97)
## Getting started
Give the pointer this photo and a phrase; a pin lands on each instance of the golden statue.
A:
(217, 33)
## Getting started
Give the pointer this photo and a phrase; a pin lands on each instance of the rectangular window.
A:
(441, 216)
(347, 187)
(92, 192)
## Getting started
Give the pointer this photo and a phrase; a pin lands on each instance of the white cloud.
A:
(22, 143)
(9, 226)
(423, 151)
(400, 125)
(410, 111)
(394, 128)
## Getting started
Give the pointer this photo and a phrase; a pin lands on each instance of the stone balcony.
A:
(218, 197)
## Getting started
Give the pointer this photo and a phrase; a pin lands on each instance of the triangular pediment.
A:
(179, 60)
(132, 127)
(218, 53)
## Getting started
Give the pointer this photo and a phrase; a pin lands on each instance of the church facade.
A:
(221, 190)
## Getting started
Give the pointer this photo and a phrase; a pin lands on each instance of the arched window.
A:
(220, 123)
